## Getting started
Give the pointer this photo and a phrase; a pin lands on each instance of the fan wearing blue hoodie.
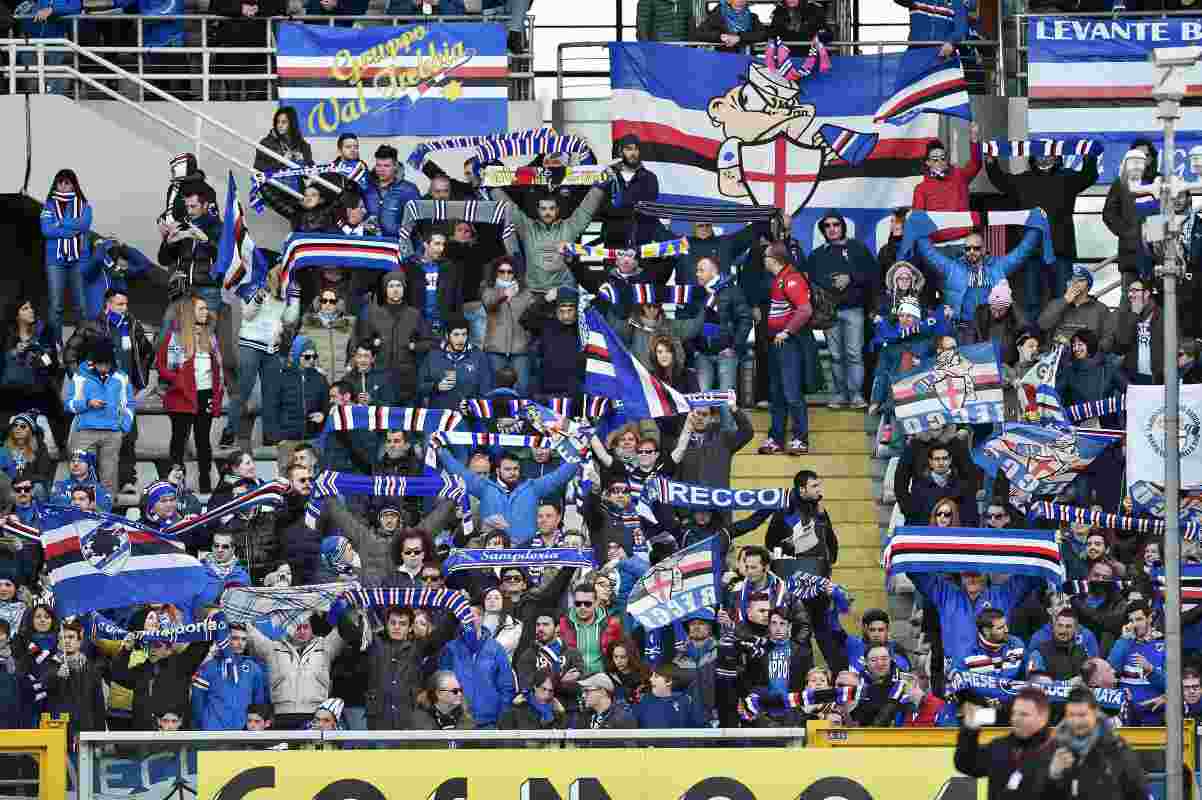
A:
(482, 667)
(1139, 658)
(666, 707)
(224, 688)
(847, 269)
(111, 266)
(102, 399)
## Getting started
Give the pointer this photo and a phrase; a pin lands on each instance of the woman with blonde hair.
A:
(189, 361)
(266, 311)
(945, 514)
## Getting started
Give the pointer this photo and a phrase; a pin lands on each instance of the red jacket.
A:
(924, 716)
(181, 377)
(949, 193)
(789, 307)
(612, 632)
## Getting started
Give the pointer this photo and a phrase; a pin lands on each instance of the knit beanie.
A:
(1081, 272)
(157, 491)
(1000, 297)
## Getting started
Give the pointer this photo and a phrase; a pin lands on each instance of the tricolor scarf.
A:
(563, 557)
(672, 247)
(649, 294)
(1041, 148)
(778, 57)
(67, 205)
(544, 176)
(994, 687)
(345, 484)
(1191, 584)
(1080, 515)
(391, 418)
(1080, 587)
(423, 150)
(540, 141)
(487, 212)
(449, 600)
(1096, 408)
(915, 548)
(272, 494)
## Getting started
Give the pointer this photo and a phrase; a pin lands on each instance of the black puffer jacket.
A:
(301, 544)
(395, 326)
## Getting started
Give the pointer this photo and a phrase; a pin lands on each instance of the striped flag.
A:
(926, 83)
(930, 549)
(942, 226)
(414, 80)
(611, 371)
(240, 265)
(964, 385)
(1191, 584)
(686, 582)
(336, 251)
(1039, 461)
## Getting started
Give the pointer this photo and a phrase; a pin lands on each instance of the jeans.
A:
(784, 389)
(477, 321)
(521, 365)
(59, 277)
(515, 9)
(716, 371)
(846, 343)
(252, 364)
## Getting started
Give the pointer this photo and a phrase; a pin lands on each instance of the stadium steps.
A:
(840, 452)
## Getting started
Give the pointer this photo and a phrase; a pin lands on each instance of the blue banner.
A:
(962, 386)
(1039, 461)
(153, 776)
(427, 79)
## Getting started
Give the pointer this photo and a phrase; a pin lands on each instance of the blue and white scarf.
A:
(1062, 512)
(679, 494)
(345, 484)
(1004, 689)
(564, 557)
(67, 206)
(540, 141)
(1041, 148)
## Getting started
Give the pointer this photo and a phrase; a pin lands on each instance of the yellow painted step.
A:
(821, 419)
(823, 442)
(827, 466)
(868, 578)
(858, 557)
(859, 488)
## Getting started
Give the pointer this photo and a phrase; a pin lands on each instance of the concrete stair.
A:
(841, 453)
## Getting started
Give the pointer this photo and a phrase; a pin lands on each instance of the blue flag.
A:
(1040, 462)
(962, 386)
(680, 585)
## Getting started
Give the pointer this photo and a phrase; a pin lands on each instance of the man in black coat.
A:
(300, 543)
(621, 225)
(1091, 760)
(1017, 764)
(918, 493)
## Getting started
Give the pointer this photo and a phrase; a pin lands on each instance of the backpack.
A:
(824, 307)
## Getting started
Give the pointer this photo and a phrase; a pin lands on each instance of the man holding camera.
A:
(1017, 765)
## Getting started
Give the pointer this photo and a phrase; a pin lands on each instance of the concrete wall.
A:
(122, 156)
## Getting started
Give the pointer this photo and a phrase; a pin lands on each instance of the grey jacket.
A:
(1063, 321)
(545, 267)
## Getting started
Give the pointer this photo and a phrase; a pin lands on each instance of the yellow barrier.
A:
(49, 745)
(644, 773)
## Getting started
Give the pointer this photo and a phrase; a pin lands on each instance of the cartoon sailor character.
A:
(773, 151)
(951, 380)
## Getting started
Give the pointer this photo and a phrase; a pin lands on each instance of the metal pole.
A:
(1169, 111)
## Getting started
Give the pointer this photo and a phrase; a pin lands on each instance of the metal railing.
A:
(992, 72)
(194, 61)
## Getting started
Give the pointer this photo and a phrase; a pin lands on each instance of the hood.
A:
(394, 275)
(920, 280)
(299, 345)
(835, 215)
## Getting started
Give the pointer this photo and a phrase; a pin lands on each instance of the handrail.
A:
(40, 46)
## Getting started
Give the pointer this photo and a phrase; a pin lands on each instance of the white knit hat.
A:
(909, 307)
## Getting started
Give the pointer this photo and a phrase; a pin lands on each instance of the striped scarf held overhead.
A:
(915, 548)
(1041, 148)
(542, 141)
(423, 150)
(345, 484)
(650, 293)
(1191, 584)
(67, 206)
(450, 600)
(391, 418)
(581, 176)
(482, 212)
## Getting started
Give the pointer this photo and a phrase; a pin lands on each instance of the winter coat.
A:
(708, 462)
(179, 372)
(917, 493)
(55, 27)
(781, 534)
(68, 227)
(159, 685)
(195, 256)
(138, 355)
(1123, 218)
(264, 320)
(519, 506)
(298, 151)
(117, 414)
(300, 545)
(37, 468)
(618, 718)
(473, 377)
(949, 193)
(847, 257)
(957, 293)
(638, 332)
(593, 639)
(387, 204)
(621, 226)
(60, 493)
(1000, 759)
(81, 695)
(483, 670)
(563, 357)
(1126, 340)
(395, 327)
(32, 366)
(299, 675)
(675, 711)
(1109, 769)
(449, 290)
(1086, 379)
(727, 324)
(1062, 321)
(504, 333)
(219, 702)
(723, 249)
(800, 24)
(545, 267)
(1055, 192)
(711, 28)
(664, 20)
(1002, 332)
(330, 341)
(99, 273)
(925, 287)
(958, 613)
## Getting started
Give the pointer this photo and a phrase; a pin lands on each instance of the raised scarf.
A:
(67, 205)
(563, 557)
(1041, 148)
(672, 247)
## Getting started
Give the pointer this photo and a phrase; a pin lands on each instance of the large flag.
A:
(610, 371)
(414, 80)
(681, 584)
(1145, 435)
(1191, 584)
(338, 251)
(930, 549)
(1039, 461)
(240, 265)
(739, 131)
(964, 385)
(926, 83)
(1040, 400)
(100, 561)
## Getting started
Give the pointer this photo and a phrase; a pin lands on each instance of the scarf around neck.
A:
(68, 205)
(1081, 745)
(545, 711)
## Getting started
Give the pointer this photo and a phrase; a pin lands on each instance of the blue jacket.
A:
(1085, 638)
(483, 670)
(29, 368)
(1005, 662)
(387, 205)
(1131, 677)
(849, 257)
(676, 711)
(219, 703)
(298, 392)
(55, 27)
(937, 20)
(958, 614)
(60, 494)
(519, 506)
(69, 226)
(857, 648)
(116, 391)
(955, 273)
(97, 278)
(158, 34)
(473, 377)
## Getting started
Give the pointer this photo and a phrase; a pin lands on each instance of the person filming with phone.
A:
(1017, 765)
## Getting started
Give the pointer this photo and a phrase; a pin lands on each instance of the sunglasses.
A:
(23, 489)
(411, 552)
(648, 452)
(973, 248)
(308, 356)
(941, 514)
(456, 690)
(584, 604)
(432, 578)
(329, 301)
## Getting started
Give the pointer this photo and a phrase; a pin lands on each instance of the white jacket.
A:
(263, 322)
(299, 680)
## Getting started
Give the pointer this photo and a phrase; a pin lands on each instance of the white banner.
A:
(1145, 435)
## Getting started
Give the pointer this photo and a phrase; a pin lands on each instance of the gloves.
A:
(438, 439)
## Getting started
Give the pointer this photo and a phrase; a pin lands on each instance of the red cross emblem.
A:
(781, 173)
(661, 583)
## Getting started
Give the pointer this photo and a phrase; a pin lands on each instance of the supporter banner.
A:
(152, 776)
(738, 132)
(963, 386)
(569, 557)
(1145, 435)
(1005, 690)
(686, 582)
(415, 80)
(743, 773)
(1039, 461)
(694, 495)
